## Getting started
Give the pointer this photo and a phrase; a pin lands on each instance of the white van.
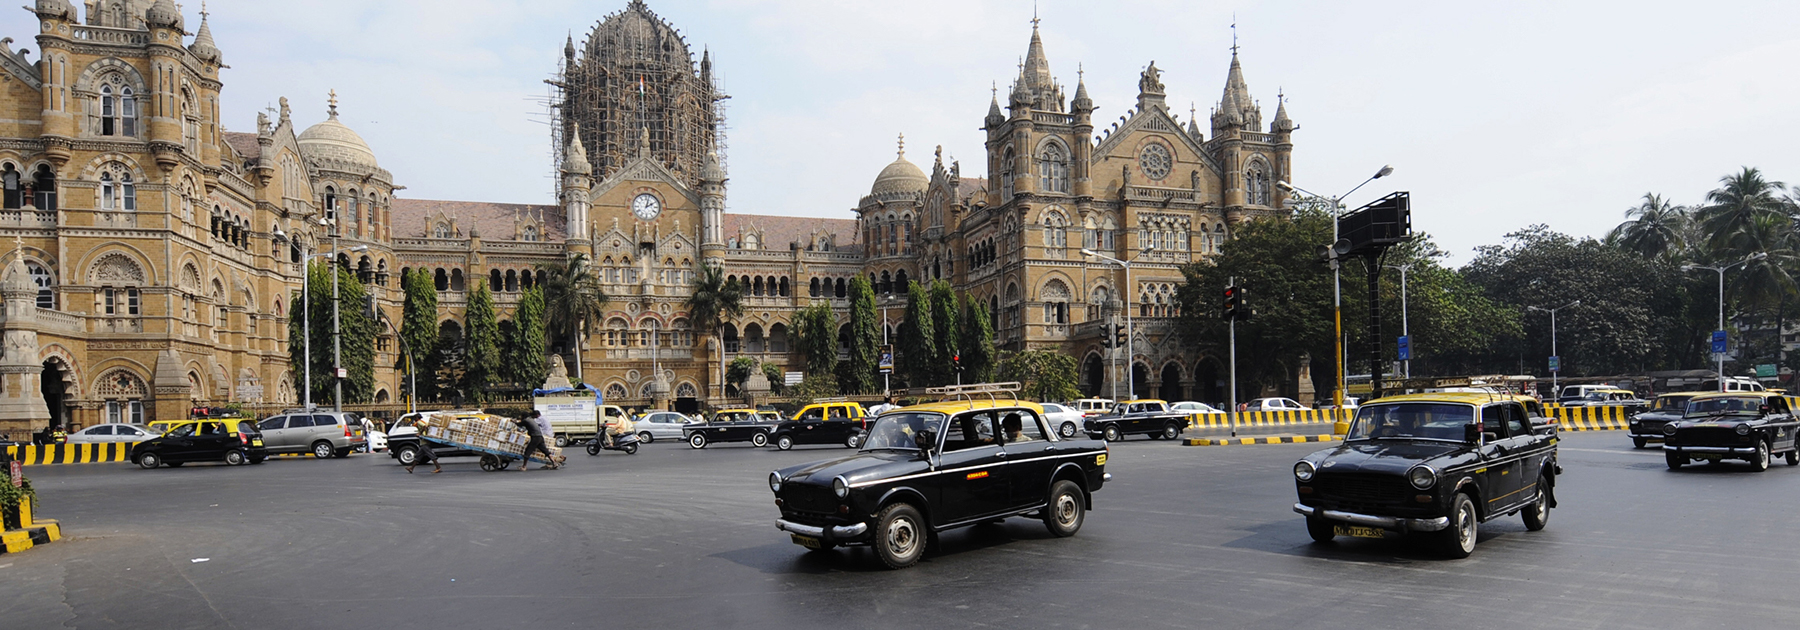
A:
(1091, 407)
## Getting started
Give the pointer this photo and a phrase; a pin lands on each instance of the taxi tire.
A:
(321, 449)
(1112, 433)
(900, 536)
(646, 438)
(697, 440)
(759, 440)
(1458, 540)
(1675, 461)
(407, 455)
(235, 458)
(852, 441)
(1066, 511)
(1068, 430)
(1760, 461)
(149, 460)
(1171, 431)
(1638, 443)
(784, 442)
(1793, 456)
(1321, 530)
(1537, 515)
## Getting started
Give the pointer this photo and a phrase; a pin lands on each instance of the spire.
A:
(575, 161)
(569, 48)
(204, 47)
(333, 101)
(1081, 102)
(994, 117)
(1193, 122)
(1235, 106)
(712, 171)
(1282, 123)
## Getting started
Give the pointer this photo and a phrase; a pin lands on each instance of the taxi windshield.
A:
(1664, 403)
(897, 430)
(1725, 405)
(1412, 421)
(732, 416)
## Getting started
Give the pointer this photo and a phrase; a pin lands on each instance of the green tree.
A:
(865, 338)
(1046, 376)
(977, 343)
(712, 301)
(447, 380)
(482, 352)
(817, 331)
(813, 387)
(917, 350)
(1653, 229)
(944, 315)
(526, 362)
(1733, 208)
(777, 379)
(419, 328)
(357, 335)
(574, 302)
(738, 372)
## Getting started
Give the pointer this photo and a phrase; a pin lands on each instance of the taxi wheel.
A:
(1067, 430)
(1112, 433)
(697, 440)
(1458, 540)
(1675, 461)
(900, 536)
(1793, 456)
(234, 458)
(1320, 529)
(1065, 513)
(784, 442)
(1171, 431)
(1760, 461)
(759, 440)
(408, 455)
(646, 438)
(1537, 515)
(1638, 443)
(149, 460)
(852, 441)
(321, 449)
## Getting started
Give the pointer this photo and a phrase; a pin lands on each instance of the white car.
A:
(1274, 404)
(1063, 419)
(112, 432)
(1092, 407)
(1193, 407)
(661, 425)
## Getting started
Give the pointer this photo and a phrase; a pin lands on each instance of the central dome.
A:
(332, 140)
(900, 177)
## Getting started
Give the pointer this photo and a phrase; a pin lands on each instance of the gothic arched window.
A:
(1006, 175)
(1056, 230)
(1053, 165)
(1256, 183)
(46, 296)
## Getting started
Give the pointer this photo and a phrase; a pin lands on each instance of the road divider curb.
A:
(1606, 424)
(1261, 439)
(42, 454)
(30, 533)
(1262, 418)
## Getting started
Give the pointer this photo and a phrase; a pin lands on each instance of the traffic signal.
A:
(1231, 302)
(956, 359)
(1119, 334)
(1244, 311)
(1106, 335)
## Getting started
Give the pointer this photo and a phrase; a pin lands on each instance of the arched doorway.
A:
(1171, 389)
(1093, 376)
(1140, 379)
(55, 387)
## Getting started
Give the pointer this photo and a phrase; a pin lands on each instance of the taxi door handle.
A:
(1002, 455)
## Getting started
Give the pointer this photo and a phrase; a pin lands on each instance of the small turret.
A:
(203, 46)
(1082, 104)
(1282, 123)
(994, 117)
(55, 10)
(163, 14)
(576, 160)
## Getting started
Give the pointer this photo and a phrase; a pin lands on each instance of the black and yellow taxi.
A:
(825, 421)
(232, 440)
(732, 425)
(977, 456)
(1436, 465)
(1647, 425)
(1750, 426)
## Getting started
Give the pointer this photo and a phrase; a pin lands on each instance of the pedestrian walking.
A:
(536, 426)
(424, 451)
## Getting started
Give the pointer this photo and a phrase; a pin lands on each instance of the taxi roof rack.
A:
(834, 399)
(970, 391)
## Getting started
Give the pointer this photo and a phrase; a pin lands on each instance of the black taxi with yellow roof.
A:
(1434, 464)
(732, 425)
(1751, 426)
(978, 455)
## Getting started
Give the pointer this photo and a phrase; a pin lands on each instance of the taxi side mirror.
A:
(926, 439)
(1472, 433)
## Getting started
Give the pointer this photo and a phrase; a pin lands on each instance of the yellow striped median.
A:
(1261, 439)
(43, 454)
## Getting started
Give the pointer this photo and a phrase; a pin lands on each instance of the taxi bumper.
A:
(1370, 520)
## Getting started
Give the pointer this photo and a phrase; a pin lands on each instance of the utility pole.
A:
(337, 357)
(1405, 328)
(1231, 321)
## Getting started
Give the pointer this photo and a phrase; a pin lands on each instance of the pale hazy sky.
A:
(1494, 115)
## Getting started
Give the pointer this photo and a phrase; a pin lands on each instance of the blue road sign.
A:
(1556, 364)
(1405, 347)
(1718, 341)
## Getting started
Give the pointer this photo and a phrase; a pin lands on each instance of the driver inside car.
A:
(1014, 426)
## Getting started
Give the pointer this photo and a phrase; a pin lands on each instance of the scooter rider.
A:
(622, 426)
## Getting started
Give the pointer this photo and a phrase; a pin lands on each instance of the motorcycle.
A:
(628, 443)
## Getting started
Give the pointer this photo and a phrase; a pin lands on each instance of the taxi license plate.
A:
(256, 442)
(1354, 531)
(805, 541)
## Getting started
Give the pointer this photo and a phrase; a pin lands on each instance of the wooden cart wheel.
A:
(490, 463)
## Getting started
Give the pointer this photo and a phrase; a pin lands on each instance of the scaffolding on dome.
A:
(635, 78)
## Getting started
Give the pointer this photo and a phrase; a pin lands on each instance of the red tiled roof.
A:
(245, 144)
(778, 232)
(495, 221)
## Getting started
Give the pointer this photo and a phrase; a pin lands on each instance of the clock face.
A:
(646, 207)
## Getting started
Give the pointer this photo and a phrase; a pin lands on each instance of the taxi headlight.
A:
(775, 482)
(1743, 429)
(839, 488)
(1669, 429)
(1304, 471)
(1422, 477)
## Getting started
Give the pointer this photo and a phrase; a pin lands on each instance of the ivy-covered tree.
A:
(865, 338)
(817, 330)
(357, 336)
(737, 372)
(917, 348)
(419, 328)
(945, 316)
(447, 380)
(524, 357)
(977, 342)
(482, 352)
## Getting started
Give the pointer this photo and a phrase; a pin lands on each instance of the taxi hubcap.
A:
(901, 536)
(1065, 510)
(1465, 527)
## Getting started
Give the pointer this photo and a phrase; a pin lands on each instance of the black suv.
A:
(930, 468)
(1751, 426)
(234, 441)
(1437, 464)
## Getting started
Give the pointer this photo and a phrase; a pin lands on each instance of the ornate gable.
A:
(1152, 119)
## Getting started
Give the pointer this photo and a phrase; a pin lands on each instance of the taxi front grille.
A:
(1362, 488)
(1707, 436)
(808, 498)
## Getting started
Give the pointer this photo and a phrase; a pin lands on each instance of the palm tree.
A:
(573, 301)
(1653, 229)
(1732, 209)
(712, 301)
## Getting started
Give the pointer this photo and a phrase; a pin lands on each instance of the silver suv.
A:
(321, 432)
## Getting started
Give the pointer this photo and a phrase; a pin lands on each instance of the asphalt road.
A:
(1184, 537)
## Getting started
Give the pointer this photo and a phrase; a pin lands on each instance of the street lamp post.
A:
(887, 300)
(1555, 386)
(1130, 353)
(1719, 357)
(1337, 292)
(1405, 329)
